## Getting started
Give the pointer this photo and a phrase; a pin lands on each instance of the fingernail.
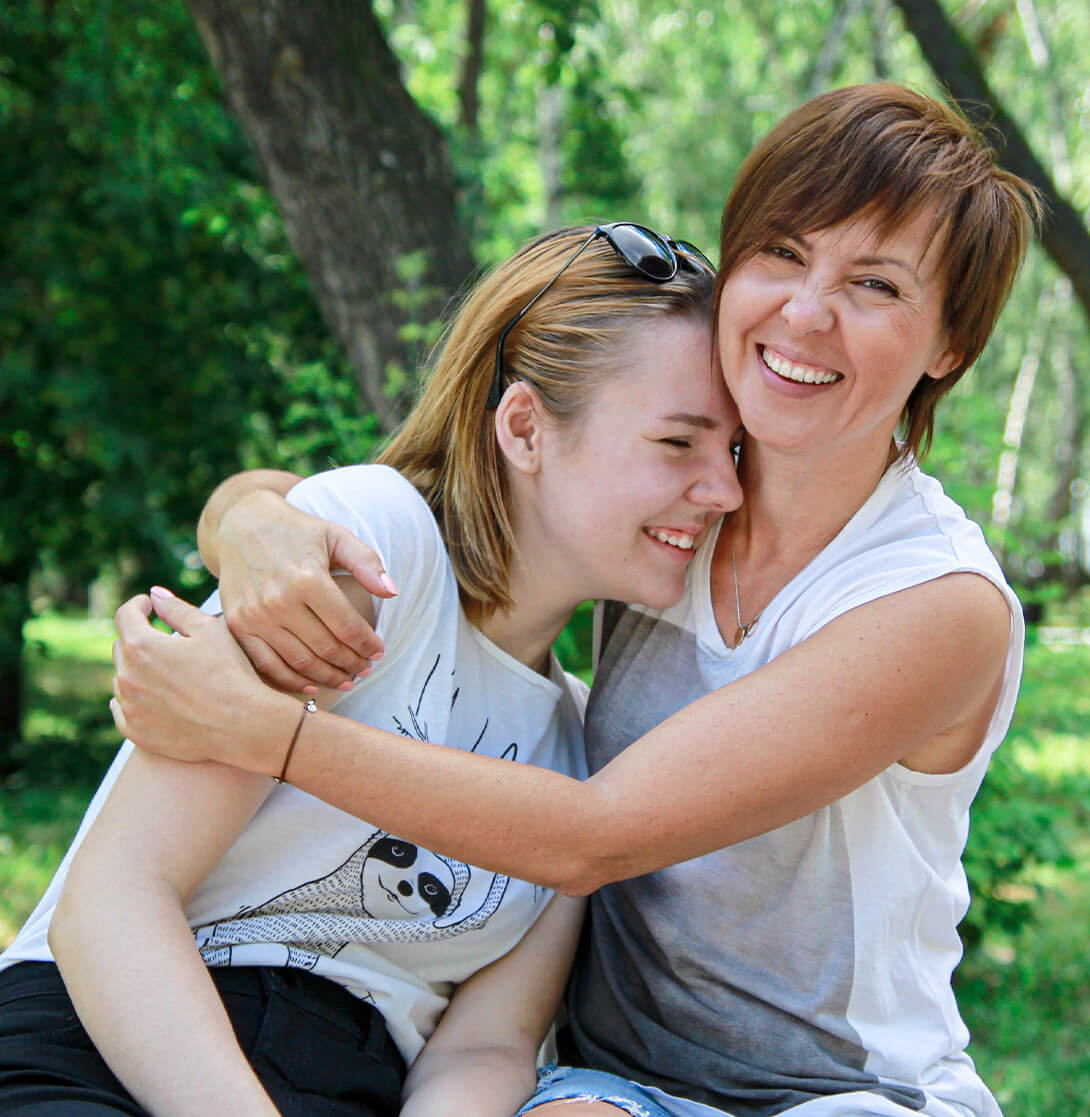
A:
(159, 591)
(388, 583)
(363, 674)
(348, 684)
(309, 690)
(374, 657)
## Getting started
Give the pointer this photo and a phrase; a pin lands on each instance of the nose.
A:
(718, 488)
(807, 309)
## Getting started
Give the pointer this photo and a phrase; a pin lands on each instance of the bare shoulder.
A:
(940, 647)
(962, 608)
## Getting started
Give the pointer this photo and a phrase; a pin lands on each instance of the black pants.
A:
(316, 1048)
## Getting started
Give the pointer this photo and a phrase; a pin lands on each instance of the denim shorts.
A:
(577, 1084)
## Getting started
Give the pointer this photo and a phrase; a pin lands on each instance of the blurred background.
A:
(228, 233)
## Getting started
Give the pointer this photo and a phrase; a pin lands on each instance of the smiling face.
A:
(624, 494)
(823, 335)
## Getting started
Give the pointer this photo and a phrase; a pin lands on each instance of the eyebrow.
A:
(893, 261)
(704, 421)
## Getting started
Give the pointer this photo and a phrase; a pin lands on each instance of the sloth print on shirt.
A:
(388, 890)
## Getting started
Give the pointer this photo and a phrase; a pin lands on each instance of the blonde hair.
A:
(890, 152)
(564, 347)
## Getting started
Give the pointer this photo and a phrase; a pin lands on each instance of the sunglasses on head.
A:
(655, 257)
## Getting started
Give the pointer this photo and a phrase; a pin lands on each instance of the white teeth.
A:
(802, 374)
(674, 538)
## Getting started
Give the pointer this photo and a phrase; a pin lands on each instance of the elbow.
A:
(598, 852)
(587, 869)
(63, 934)
(580, 878)
(76, 921)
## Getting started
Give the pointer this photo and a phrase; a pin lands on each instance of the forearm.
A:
(147, 1001)
(229, 493)
(413, 789)
(487, 1082)
(811, 726)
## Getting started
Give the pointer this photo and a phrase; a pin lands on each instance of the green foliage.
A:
(1028, 1005)
(36, 826)
(156, 332)
(157, 328)
(1035, 800)
(575, 645)
(69, 667)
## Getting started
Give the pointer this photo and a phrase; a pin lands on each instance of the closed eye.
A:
(681, 443)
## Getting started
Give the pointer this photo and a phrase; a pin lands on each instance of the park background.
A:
(228, 231)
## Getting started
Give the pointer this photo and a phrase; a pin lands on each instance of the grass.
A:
(1025, 995)
(1028, 1005)
(68, 741)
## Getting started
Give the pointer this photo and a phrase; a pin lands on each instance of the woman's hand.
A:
(278, 597)
(194, 695)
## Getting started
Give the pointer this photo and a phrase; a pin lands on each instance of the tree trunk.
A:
(14, 613)
(1065, 237)
(550, 151)
(832, 49)
(1065, 506)
(880, 38)
(469, 99)
(1017, 413)
(359, 171)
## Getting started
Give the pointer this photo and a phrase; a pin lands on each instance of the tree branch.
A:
(1064, 237)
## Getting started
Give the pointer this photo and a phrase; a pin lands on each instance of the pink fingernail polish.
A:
(388, 583)
(160, 591)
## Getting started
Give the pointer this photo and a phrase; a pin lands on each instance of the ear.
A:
(947, 360)
(520, 427)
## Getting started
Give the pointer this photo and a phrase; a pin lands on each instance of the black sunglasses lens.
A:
(687, 248)
(648, 253)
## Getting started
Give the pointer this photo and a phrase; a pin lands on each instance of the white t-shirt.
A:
(310, 886)
(806, 970)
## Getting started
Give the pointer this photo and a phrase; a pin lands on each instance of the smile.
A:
(793, 370)
(680, 539)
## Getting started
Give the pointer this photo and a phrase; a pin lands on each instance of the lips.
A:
(797, 371)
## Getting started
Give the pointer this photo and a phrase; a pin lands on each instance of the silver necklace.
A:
(743, 629)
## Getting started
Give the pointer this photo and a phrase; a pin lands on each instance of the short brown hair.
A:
(891, 152)
(564, 347)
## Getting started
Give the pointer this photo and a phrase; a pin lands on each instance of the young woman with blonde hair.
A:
(232, 944)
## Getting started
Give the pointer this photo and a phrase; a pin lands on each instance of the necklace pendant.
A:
(743, 630)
